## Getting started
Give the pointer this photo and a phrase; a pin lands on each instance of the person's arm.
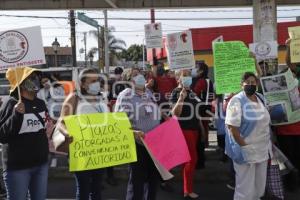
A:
(259, 72)
(236, 135)
(11, 119)
(68, 108)
(177, 108)
(291, 65)
(233, 120)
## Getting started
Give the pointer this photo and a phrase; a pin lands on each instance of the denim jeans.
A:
(33, 180)
(88, 184)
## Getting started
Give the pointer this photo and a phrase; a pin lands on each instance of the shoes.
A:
(231, 185)
(112, 181)
(166, 187)
(191, 196)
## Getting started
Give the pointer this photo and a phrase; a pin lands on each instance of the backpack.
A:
(207, 96)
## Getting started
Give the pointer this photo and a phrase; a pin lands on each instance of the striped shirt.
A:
(142, 110)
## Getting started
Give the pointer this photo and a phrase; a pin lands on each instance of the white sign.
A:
(264, 50)
(153, 35)
(21, 47)
(180, 50)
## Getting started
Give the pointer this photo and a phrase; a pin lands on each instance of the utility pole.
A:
(152, 13)
(106, 46)
(85, 55)
(73, 37)
(265, 27)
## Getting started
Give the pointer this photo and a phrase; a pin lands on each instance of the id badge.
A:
(148, 109)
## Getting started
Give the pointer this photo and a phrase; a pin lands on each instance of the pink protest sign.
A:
(167, 144)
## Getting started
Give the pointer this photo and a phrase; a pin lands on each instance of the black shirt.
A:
(188, 119)
(23, 135)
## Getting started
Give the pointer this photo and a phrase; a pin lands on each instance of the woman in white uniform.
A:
(248, 139)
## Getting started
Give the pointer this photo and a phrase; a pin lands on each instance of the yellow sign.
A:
(295, 51)
(100, 140)
(294, 32)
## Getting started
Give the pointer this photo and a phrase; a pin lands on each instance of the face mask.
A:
(139, 81)
(118, 76)
(94, 88)
(250, 89)
(186, 81)
(31, 84)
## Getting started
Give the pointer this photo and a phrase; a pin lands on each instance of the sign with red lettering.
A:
(21, 47)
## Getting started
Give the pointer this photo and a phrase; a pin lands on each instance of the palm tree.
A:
(115, 45)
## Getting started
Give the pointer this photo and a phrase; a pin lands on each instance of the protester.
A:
(165, 83)
(87, 100)
(53, 94)
(288, 137)
(295, 67)
(22, 133)
(185, 108)
(248, 139)
(203, 88)
(138, 103)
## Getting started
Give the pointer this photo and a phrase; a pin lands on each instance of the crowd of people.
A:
(149, 98)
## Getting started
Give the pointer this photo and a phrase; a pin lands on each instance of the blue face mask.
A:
(186, 81)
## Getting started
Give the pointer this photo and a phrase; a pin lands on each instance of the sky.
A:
(131, 30)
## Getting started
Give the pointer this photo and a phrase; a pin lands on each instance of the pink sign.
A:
(167, 144)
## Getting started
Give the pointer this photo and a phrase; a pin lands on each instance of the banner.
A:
(100, 140)
(231, 60)
(180, 50)
(21, 47)
(153, 35)
(167, 144)
(282, 94)
(294, 33)
(264, 50)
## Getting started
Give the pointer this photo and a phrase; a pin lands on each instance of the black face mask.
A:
(250, 89)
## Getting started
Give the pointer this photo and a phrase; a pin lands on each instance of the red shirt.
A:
(165, 84)
(289, 129)
(200, 86)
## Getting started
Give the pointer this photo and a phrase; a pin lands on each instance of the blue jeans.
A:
(88, 184)
(19, 182)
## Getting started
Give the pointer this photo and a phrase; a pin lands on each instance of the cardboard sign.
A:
(21, 47)
(180, 50)
(153, 35)
(167, 143)
(100, 140)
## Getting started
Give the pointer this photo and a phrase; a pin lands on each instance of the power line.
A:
(147, 18)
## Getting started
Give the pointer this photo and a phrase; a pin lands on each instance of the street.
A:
(210, 183)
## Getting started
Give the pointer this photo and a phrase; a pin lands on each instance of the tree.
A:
(133, 53)
(115, 45)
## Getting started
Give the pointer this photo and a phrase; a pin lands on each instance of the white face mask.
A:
(139, 81)
(94, 88)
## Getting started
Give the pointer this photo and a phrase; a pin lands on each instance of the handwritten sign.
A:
(153, 35)
(231, 60)
(180, 50)
(294, 33)
(100, 140)
(264, 50)
(21, 47)
(167, 143)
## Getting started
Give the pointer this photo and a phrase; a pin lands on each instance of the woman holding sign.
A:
(248, 141)
(24, 139)
(86, 101)
(185, 107)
